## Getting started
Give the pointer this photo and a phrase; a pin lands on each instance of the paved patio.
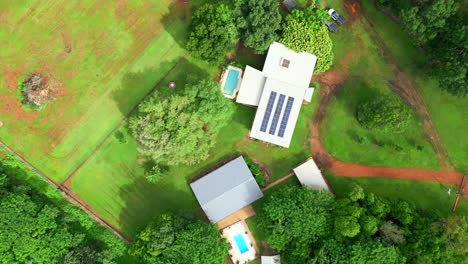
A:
(240, 215)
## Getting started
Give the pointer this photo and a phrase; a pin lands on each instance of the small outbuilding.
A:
(226, 190)
(310, 175)
(271, 259)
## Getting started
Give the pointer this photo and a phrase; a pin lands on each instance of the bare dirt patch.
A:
(39, 89)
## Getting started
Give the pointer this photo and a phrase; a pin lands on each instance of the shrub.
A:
(121, 137)
(386, 113)
(256, 171)
(154, 174)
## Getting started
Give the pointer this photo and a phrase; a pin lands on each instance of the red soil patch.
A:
(11, 77)
(9, 106)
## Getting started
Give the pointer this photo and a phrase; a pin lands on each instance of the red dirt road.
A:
(405, 87)
(323, 158)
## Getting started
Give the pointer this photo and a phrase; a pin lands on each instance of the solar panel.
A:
(266, 116)
(279, 107)
(284, 120)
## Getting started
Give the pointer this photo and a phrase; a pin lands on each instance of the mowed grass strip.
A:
(104, 56)
(112, 181)
(367, 74)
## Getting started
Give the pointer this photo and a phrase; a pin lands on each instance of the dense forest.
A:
(311, 226)
(34, 229)
(439, 27)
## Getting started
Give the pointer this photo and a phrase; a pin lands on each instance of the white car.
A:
(336, 16)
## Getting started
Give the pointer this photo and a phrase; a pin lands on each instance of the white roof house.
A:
(226, 190)
(310, 175)
(278, 91)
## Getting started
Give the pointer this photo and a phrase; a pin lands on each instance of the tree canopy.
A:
(439, 28)
(258, 22)
(34, 230)
(425, 21)
(295, 215)
(181, 129)
(302, 33)
(171, 239)
(359, 251)
(387, 113)
(212, 32)
(359, 227)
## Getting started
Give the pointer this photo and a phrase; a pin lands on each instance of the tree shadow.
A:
(144, 201)
(137, 86)
(354, 93)
(176, 21)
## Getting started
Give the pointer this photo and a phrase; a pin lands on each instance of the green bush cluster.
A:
(386, 113)
(257, 173)
(302, 33)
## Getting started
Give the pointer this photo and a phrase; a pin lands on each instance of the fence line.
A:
(65, 193)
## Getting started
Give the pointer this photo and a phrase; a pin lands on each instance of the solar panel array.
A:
(269, 108)
(284, 120)
(279, 107)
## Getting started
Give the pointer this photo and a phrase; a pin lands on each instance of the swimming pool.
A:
(240, 242)
(231, 82)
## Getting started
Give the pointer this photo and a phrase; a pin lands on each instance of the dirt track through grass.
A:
(404, 86)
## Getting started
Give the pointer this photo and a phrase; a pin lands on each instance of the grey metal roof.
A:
(226, 190)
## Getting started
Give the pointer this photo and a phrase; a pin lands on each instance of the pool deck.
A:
(238, 216)
(223, 81)
(234, 253)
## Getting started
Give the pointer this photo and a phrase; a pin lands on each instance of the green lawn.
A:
(359, 55)
(105, 56)
(128, 202)
(448, 112)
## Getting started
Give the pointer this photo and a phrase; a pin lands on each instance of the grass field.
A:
(448, 112)
(112, 180)
(119, 52)
(104, 55)
(367, 74)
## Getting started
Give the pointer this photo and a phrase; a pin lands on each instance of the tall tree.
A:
(257, 22)
(295, 215)
(181, 129)
(357, 252)
(212, 32)
(425, 21)
(391, 234)
(170, 240)
(448, 52)
(31, 231)
(300, 36)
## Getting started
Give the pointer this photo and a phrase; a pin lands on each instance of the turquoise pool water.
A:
(231, 82)
(240, 242)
